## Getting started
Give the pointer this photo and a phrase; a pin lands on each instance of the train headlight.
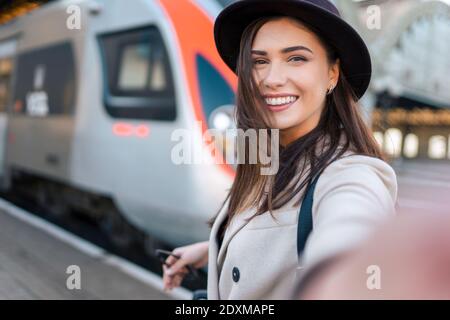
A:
(221, 121)
(222, 118)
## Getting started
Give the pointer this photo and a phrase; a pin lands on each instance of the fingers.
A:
(176, 267)
(166, 279)
(174, 270)
(171, 278)
(174, 280)
(170, 260)
(178, 251)
(177, 279)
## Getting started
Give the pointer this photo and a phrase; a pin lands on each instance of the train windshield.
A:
(216, 95)
(225, 3)
(138, 75)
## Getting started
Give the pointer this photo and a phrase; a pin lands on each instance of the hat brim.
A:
(350, 47)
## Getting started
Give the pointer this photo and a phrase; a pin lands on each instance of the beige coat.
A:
(352, 196)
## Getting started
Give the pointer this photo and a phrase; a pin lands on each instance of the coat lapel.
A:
(217, 255)
(237, 223)
(213, 271)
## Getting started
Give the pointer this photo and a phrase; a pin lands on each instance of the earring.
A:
(330, 90)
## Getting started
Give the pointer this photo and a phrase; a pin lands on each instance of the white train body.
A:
(94, 102)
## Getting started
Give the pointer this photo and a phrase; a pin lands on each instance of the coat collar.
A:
(237, 223)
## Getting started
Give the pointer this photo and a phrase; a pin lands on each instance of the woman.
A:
(301, 69)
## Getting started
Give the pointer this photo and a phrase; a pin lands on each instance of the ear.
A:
(334, 72)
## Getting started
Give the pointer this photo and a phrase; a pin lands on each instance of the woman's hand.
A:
(174, 270)
(395, 259)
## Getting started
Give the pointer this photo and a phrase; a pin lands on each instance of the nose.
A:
(275, 76)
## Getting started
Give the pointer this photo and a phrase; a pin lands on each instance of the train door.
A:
(41, 122)
(7, 51)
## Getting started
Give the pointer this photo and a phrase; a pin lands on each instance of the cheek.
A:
(258, 75)
(309, 83)
(310, 103)
(311, 96)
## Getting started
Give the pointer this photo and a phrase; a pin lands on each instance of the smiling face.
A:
(293, 73)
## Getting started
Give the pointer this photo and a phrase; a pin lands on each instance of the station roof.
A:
(10, 9)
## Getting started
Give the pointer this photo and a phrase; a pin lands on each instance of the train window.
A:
(45, 82)
(448, 147)
(136, 72)
(5, 81)
(139, 83)
(379, 137)
(134, 67)
(393, 142)
(158, 76)
(411, 145)
(436, 147)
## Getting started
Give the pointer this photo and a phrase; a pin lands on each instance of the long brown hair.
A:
(341, 114)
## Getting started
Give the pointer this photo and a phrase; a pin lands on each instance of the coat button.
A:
(235, 274)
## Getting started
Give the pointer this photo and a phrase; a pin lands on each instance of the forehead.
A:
(284, 32)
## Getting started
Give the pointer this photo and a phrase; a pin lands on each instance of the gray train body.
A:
(92, 104)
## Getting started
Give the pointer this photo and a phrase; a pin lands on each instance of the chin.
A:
(284, 124)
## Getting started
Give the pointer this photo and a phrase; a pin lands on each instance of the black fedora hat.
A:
(320, 14)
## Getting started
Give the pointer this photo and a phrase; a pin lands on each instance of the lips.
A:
(280, 103)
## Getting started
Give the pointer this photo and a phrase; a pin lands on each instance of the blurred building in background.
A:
(409, 97)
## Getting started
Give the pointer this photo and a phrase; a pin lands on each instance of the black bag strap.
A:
(305, 222)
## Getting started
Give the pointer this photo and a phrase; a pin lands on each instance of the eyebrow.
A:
(285, 50)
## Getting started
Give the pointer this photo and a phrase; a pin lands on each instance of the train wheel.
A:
(118, 230)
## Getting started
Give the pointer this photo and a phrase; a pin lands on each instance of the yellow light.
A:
(17, 9)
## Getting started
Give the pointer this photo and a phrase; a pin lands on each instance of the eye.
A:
(297, 59)
(258, 61)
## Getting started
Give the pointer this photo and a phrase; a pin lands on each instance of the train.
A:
(91, 92)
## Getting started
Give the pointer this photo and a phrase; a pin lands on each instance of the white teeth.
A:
(280, 101)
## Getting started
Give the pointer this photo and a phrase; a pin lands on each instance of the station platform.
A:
(36, 256)
(41, 261)
(423, 186)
